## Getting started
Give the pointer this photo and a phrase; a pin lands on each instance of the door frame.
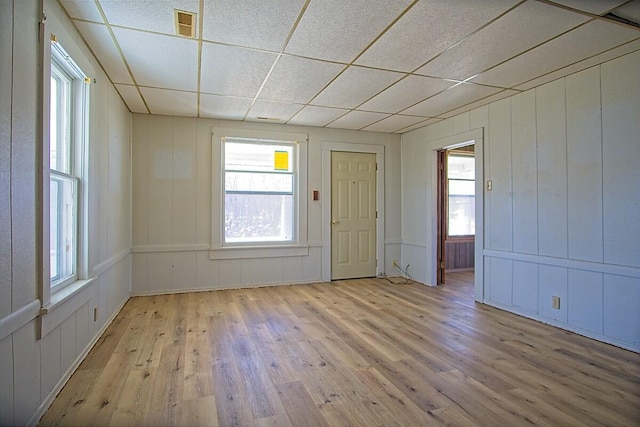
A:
(325, 198)
(475, 136)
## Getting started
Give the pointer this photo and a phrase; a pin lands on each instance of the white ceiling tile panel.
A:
(83, 9)
(99, 39)
(355, 86)
(276, 112)
(429, 28)
(160, 61)
(296, 79)
(489, 99)
(587, 40)
(132, 98)
(170, 102)
(629, 11)
(252, 23)
(148, 15)
(223, 107)
(394, 123)
(228, 70)
(405, 93)
(508, 36)
(340, 30)
(582, 65)
(419, 125)
(450, 99)
(357, 120)
(596, 7)
(316, 116)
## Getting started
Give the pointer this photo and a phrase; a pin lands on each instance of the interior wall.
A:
(33, 369)
(563, 218)
(172, 206)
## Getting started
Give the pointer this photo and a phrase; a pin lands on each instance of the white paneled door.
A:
(353, 215)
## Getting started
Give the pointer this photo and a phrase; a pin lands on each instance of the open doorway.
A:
(456, 214)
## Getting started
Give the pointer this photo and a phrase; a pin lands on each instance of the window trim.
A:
(52, 51)
(236, 250)
(460, 153)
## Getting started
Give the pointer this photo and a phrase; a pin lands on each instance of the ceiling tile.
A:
(419, 125)
(484, 101)
(99, 39)
(83, 9)
(316, 116)
(158, 60)
(597, 7)
(582, 65)
(228, 70)
(357, 120)
(132, 98)
(405, 93)
(170, 102)
(519, 30)
(394, 123)
(223, 107)
(355, 86)
(296, 79)
(340, 30)
(585, 41)
(148, 15)
(450, 99)
(252, 23)
(629, 11)
(429, 28)
(274, 112)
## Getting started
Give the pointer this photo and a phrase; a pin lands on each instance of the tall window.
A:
(66, 134)
(260, 191)
(461, 203)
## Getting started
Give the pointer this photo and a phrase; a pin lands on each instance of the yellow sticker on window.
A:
(281, 161)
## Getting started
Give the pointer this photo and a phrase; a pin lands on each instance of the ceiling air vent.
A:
(185, 23)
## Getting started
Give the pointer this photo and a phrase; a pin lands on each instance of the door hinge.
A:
(441, 264)
(376, 214)
(376, 166)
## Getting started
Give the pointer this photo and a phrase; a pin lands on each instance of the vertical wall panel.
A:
(184, 270)
(6, 74)
(552, 169)
(292, 269)
(584, 165)
(207, 271)
(584, 301)
(184, 181)
(525, 285)
(159, 187)
(67, 342)
(160, 271)
(6, 379)
(139, 272)
(24, 145)
(140, 171)
(621, 156)
(26, 373)
(552, 281)
(524, 170)
(501, 287)
(50, 362)
(621, 302)
(230, 272)
(204, 169)
(500, 158)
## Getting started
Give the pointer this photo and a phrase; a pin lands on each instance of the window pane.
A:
(461, 166)
(461, 188)
(60, 121)
(462, 215)
(257, 157)
(62, 226)
(258, 218)
(260, 182)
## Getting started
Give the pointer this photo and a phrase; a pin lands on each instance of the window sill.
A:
(244, 252)
(64, 303)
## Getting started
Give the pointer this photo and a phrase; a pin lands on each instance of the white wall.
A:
(172, 216)
(32, 369)
(563, 218)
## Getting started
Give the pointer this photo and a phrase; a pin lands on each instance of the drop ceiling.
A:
(377, 65)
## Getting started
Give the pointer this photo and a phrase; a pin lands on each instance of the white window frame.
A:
(55, 293)
(234, 250)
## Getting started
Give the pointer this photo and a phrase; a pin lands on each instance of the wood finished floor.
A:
(349, 353)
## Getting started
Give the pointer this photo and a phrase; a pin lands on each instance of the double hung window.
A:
(461, 194)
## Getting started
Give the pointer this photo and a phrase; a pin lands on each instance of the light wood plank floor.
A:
(348, 353)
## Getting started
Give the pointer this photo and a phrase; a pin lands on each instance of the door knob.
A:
(333, 221)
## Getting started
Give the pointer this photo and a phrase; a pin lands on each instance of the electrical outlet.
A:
(555, 302)
(95, 314)
(395, 263)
